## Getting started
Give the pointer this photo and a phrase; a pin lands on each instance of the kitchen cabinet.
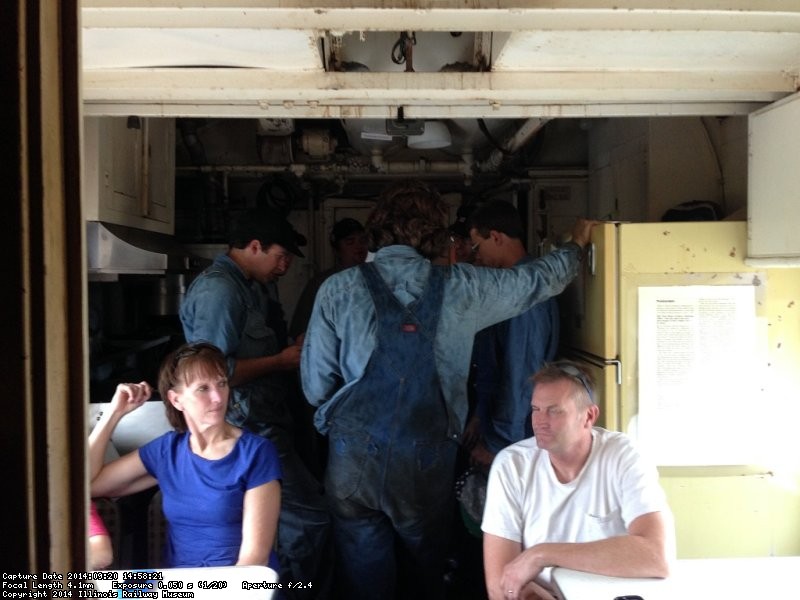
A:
(129, 172)
(773, 185)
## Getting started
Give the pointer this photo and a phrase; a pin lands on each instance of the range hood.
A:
(115, 250)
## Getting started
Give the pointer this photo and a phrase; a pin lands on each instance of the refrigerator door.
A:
(589, 331)
(589, 304)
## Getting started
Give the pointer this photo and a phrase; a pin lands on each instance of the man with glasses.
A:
(505, 354)
(233, 305)
(574, 495)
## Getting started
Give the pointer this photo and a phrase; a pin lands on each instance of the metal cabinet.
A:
(773, 185)
(129, 172)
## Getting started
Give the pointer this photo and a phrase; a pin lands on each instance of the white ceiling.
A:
(547, 58)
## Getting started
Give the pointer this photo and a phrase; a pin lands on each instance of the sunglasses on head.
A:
(576, 373)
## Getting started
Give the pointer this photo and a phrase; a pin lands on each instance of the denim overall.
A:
(391, 465)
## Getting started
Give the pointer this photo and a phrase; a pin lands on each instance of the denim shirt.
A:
(505, 356)
(225, 308)
(341, 334)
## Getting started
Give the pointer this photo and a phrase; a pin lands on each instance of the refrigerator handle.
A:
(618, 365)
(591, 258)
(597, 361)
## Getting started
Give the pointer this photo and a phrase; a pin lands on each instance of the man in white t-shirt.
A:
(574, 495)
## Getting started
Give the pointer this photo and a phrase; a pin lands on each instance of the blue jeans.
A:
(304, 541)
(390, 542)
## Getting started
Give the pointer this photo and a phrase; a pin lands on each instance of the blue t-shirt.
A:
(203, 500)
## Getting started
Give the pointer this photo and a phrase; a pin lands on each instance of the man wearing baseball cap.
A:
(227, 306)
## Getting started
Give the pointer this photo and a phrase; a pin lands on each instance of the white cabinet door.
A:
(129, 172)
(125, 138)
(160, 199)
(773, 186)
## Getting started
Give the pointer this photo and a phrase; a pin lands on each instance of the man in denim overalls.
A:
(385, 359)
(227, 306)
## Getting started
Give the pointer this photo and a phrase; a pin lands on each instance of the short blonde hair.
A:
(582, 380)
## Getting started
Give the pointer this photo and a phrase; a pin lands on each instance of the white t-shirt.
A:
(525, 501)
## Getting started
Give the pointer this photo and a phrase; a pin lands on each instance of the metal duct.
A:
(523, 135)
(115, 250)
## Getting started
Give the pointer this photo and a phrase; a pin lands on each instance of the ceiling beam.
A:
(490, 90)
(343, 111)
(254, 93)
(447, 15)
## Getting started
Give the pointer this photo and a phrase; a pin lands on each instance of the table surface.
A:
(702, 578)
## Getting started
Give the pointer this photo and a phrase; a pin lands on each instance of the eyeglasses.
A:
(576, 373)
(473, 249)
(193, 349)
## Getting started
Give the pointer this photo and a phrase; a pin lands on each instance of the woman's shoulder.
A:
(166, 439)
(162, 451)
(173, 442)
(252, 443)
(259, 457)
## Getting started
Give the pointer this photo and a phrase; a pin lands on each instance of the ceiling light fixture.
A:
(435, 135)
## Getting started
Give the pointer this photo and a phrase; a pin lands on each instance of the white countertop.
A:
(702, 579)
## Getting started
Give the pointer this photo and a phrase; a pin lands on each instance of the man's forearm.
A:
(247, 369)
(621, 556)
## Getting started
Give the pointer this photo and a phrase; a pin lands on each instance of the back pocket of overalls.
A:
(347, 453)
(435, 472)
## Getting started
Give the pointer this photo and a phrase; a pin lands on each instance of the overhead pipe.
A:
(378, 166)
(443, 167)
(523, 135)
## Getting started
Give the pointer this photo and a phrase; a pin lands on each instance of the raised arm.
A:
(495, 295)
(259, 523)
(125, 475)
(582, 231)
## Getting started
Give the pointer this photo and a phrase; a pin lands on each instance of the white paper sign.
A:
(697, 357)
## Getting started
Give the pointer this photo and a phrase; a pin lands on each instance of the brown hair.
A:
(499, 215)
(411, 213)
(184, 365)
(581, 379)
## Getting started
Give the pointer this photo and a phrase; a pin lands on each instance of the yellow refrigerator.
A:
(694, 354)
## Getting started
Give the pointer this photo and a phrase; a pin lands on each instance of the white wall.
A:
(640, 167)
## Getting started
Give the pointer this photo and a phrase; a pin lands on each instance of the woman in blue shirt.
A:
(220, 484)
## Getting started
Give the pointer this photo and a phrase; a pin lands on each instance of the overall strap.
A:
(422, 314)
